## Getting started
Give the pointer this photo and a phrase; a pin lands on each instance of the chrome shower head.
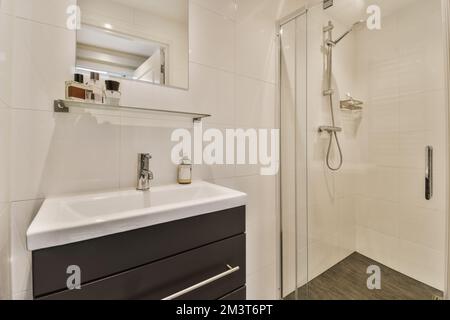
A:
(335, 42)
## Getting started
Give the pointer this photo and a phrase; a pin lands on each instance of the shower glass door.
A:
(375, 228)
(293, 49)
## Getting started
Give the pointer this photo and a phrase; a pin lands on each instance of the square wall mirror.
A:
(143, 40)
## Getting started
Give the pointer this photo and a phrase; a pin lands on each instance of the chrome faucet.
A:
(144, 173)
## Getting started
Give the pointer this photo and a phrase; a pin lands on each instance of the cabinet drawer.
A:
(164, 278)
(110, 255)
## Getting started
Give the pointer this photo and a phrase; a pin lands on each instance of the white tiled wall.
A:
(5, 119)
(4, 199)
(6, 27)
(54, 154)
(22, 214)
(5, 281)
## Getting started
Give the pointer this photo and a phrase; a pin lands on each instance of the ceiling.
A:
(171, 9)
(101, 38)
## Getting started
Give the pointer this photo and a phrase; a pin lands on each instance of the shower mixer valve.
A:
(328, 129)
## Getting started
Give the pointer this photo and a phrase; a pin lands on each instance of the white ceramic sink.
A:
(65, 220)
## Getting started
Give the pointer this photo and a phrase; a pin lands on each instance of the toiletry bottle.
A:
(185, 171)
(96, 94)
(76, 89)
(112, 92)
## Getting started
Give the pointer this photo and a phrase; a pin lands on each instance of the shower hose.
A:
(334, 133)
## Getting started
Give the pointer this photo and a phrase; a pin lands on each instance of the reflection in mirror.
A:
(143, 40)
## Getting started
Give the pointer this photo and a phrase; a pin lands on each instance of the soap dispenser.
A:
(185, 171)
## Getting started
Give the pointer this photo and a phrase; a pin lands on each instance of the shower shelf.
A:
(64, 106)
(351, 105)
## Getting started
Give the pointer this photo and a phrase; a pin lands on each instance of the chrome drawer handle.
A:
(429, 173)
(203, 283)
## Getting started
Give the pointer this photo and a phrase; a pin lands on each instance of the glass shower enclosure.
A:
(364, 157)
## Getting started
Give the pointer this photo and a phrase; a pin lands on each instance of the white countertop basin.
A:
(70, 219)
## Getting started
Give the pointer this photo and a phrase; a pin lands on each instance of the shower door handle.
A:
(429, 173)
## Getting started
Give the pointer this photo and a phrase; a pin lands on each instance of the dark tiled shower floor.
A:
(348, 281)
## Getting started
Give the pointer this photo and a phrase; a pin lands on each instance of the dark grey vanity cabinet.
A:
(204, 254)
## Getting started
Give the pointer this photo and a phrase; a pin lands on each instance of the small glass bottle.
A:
(95, 88)
(185, 171)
